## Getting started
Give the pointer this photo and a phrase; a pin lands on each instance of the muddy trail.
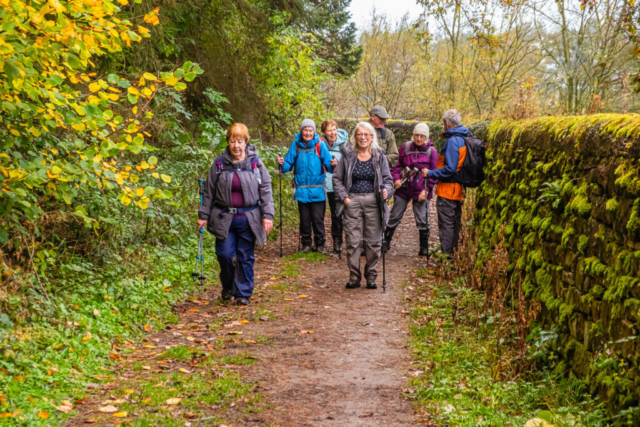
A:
(306, 352)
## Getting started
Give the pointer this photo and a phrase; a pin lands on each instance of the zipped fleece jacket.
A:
(217, 195)
(450, 161)
(309, 176)
(342, 178)
(335, 151)
(427, 158)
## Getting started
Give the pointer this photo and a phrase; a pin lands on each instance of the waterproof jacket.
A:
(450, 161)
(309, 175)
(388, 145)
(335, 151)
(420, 157)
(217, 195)
(342, 177)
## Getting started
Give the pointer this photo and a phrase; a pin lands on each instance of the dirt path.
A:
(319, 354)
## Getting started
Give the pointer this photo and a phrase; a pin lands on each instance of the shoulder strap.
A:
(383, 134)
(406, 147)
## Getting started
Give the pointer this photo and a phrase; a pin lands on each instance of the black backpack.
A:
(471, 174)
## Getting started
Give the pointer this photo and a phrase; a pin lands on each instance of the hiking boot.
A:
(243, 301)
(305, 249)
(226, 294)
(321, 250)
(372, 285)
(351, 285)
(388, 235)
(337, 246)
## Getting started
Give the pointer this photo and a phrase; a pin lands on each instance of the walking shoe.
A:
(337, 246)
(353, 285)
(243, 301)
(372, 285)
(424, 243)
(386, 247)
(321, 250)
(386, 242)
(226, 294)
(423, 252)
(305, 249)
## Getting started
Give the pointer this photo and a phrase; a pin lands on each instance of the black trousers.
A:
(336, 221)
(449, 223)
(312, 215)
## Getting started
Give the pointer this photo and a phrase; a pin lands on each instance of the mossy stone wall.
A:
(567, 190)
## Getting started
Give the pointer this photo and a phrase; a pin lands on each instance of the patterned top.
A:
(362, 177)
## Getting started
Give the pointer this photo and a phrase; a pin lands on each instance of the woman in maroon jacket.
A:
(410, 185)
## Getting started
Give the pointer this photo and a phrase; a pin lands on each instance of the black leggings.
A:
(312, 214)
(336, 221)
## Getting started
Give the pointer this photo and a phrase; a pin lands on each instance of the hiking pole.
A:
(200, 256)
(384, 265)
(280, 176)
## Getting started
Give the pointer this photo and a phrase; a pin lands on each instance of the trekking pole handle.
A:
(201, 190)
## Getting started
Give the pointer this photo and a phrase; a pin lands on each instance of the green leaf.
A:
(198, 70)
(190, 76)
(180, 86)
(9, 106)
(187, 66)
(179, 73)
(132, 98)
(124, 83)
(55, 80)
(92, 110)
(74, 61)
(11, 70)
(113, 78)
(152, 160)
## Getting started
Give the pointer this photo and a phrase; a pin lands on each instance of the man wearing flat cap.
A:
(386, 138)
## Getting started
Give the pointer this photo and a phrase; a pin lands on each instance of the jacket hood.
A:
(250, 152)
(457, 131)
(302, 144)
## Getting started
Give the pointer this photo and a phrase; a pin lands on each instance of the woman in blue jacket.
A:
(336, 140)
(310, 160)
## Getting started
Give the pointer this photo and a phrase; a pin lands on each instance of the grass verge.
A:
(457, 380)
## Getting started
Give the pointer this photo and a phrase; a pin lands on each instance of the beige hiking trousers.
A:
(362, 222)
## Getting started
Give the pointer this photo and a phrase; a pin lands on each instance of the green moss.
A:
(583, 242)
(566, 236)
(612, 205)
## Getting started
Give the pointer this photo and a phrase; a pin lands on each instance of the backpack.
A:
(471, 174)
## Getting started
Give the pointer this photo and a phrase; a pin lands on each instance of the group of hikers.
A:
(357, 174)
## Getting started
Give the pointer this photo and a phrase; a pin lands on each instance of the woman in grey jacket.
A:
(238, 210)
(362, 182)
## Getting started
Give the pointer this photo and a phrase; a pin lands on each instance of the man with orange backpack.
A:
(310, 159)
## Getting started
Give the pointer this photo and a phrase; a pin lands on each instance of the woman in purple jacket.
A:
(410, 185)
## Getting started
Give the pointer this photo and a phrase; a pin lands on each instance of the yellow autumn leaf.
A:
(171, 81)
(122, 414)
(148, 76)
(43, 415)
(140, 192)
(174, 401)
(94, 87)
(165, 178)
(155, 175)
(135, 110)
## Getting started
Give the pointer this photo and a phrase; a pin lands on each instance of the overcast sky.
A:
(394, 9)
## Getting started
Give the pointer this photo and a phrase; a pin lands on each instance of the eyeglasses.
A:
(240, 141)
(363, 135)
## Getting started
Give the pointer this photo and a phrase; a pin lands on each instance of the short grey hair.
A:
(367, 126)
(452, 117)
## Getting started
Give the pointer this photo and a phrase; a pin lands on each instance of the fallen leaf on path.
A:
(43, 415)
(129, 391)
(235, 333)
(250, 341)
(146, 368)
(65, 407)
(146, 400)
(148, 327)
(370, 414)
(122, 414)
(244, 321)
(537, 422)
(108, 408)
(264, 318)
(193, 310)
(90, 421)
(327, 306)
(174, 401)
(306, 332)
(114, 356)
(189, 415)
(184, 371)
(302, 296)
(191, 338)
(288, 299)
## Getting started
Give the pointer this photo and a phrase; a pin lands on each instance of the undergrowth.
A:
(465, 374)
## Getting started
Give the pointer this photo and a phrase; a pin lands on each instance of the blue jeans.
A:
(237, 276)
